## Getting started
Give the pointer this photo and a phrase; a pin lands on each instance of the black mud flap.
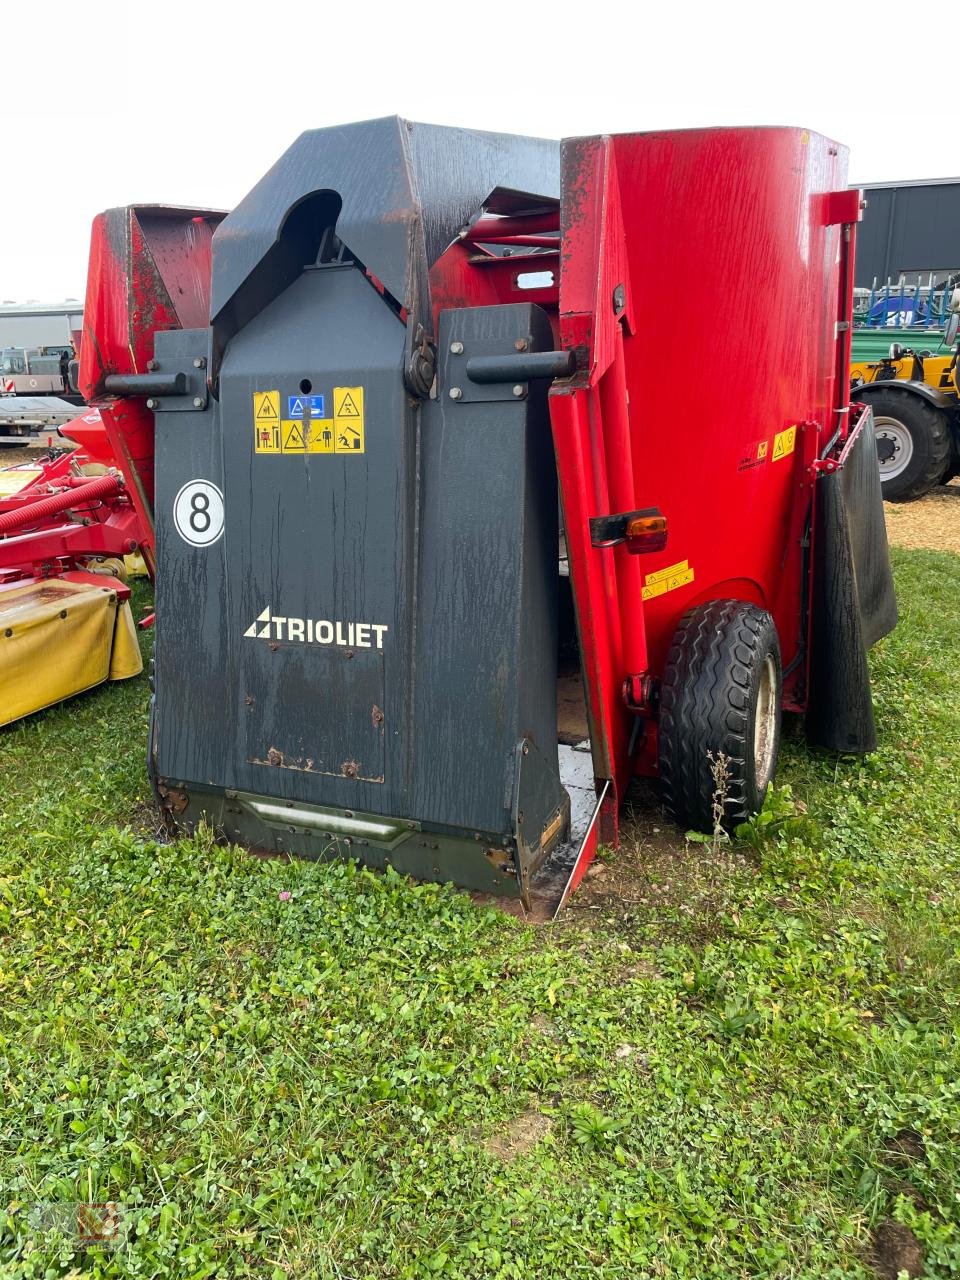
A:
(853, 599)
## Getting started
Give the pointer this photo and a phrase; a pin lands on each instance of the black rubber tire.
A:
(929, 431)
(708, 704)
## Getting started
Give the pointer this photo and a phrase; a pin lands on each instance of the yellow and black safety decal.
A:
(266, 421)
(784, 443)
(305, 430)
(664, 580)
(291, 436)
(348, 419)
(319, 435)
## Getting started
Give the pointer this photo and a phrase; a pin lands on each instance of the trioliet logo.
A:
(351, 635)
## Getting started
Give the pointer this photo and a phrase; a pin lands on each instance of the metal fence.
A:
(907, 303)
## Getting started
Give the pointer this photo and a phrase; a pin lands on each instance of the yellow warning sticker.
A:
(784, 443)
(266, 406)
(266, 437)
(348, 419)
(664, 580)
(291, 436)
(266, 421)
(762, 449)
(319, 435)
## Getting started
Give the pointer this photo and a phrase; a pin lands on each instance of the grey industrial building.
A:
(909, 228)
(39, 324)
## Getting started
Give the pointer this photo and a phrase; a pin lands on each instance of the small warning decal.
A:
(266, 437)
(266, 406)
(664, 580)
(348, 419)
(266, 421)
(297, 406)
(755, 456)
(784, 443)
(291, 436)
(319, 435)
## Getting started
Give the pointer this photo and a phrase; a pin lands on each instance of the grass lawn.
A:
(733, 1063)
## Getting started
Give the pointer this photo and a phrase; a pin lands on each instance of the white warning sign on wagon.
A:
(348, 432)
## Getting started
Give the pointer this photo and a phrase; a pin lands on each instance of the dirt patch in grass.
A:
(904, 1148)
(656, 880)
(894, 1249)
(520, 1136)
(15, 457)
(932, 522)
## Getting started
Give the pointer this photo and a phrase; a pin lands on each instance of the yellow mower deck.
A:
(58, 638)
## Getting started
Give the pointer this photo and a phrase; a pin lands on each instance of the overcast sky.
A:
(109, 103)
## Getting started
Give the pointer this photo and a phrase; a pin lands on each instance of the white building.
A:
(38, 324)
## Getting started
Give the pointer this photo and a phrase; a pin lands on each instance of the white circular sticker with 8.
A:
(198, 513)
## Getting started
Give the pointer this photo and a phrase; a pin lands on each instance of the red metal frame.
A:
(65, 516)
(149, 270)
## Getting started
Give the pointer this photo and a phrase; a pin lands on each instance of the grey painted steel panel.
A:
(406, 188)
(908, 229)
(488, 582)
(444, 531)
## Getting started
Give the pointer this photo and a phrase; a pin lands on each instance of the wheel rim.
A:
(894, 447)
(765, 722)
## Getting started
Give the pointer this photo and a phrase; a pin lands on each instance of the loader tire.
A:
(720, 699)
(913, 442)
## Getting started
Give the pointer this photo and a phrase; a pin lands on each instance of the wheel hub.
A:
(894, 447)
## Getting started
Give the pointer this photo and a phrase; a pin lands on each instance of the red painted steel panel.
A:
(726, 413)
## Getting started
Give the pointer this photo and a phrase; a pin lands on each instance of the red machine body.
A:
(721, 425)
(149, 270)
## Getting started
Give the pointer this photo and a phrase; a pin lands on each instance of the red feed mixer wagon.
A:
(448, 551)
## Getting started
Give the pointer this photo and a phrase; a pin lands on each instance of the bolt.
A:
(153, 366)
(520, 344)
(9, 632)
(200, 363)
(456, 348)
(456, 393)
(153, 404)
(519, 390)
(198, 402)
